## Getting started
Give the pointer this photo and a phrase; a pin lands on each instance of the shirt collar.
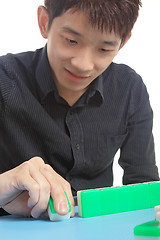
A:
(44, 75)
(96, 87)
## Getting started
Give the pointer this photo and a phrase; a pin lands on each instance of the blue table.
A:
(111, 227)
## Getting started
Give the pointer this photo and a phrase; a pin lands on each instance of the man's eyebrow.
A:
(70, 30)
(111, 43)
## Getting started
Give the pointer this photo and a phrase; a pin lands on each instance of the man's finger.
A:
(58, 190)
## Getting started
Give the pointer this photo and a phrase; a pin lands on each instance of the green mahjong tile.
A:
(154, 188)
(141, 196)
(125, 199)
(108, 201)
(90, 202)
(117, 199)
(148, 229)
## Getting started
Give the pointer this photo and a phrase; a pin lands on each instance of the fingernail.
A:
(63, 207)
(72, 212)
(35, 214)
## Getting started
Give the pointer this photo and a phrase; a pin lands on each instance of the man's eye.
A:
(71, 41)
(104, 50)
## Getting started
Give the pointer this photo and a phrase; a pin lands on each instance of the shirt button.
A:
(70, 178)
(77, 146)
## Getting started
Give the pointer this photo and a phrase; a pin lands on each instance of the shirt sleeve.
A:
(6, 84)
(137, 156)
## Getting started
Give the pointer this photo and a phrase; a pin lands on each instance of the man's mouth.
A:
(74, 76)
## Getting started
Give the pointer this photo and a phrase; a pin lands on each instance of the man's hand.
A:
(26, 189)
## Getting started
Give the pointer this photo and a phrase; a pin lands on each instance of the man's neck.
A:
(71, 97)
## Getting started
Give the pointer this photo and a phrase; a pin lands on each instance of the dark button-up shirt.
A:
(79, 142)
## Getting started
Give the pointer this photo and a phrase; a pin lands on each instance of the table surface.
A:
(111, 227)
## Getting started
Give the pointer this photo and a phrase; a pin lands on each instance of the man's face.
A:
(78, 53)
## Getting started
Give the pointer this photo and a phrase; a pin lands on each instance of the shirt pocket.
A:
(107, 146)
(110, 144)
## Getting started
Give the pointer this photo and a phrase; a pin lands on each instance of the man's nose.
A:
(83, 62)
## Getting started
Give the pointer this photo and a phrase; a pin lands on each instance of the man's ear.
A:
(126, 40)
(43, 21)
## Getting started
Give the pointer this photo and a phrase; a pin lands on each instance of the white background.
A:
(19, 32)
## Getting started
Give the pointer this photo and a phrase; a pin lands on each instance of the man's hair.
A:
(118, 16)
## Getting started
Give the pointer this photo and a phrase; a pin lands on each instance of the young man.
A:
(66, 109)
